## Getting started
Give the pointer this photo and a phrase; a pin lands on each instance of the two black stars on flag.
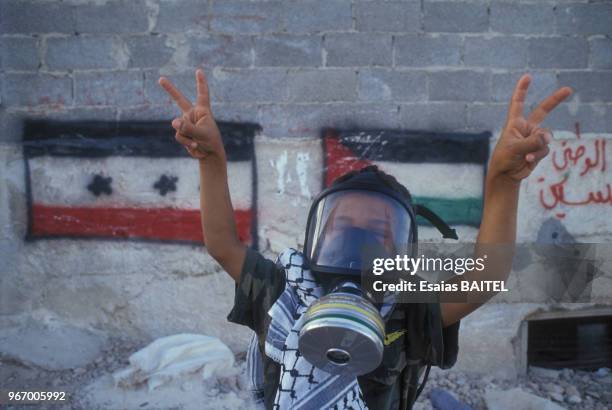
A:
(101, 184)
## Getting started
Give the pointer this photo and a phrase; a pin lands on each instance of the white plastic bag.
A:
(173, 357)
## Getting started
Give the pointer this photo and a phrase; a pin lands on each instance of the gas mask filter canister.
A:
(343, 332)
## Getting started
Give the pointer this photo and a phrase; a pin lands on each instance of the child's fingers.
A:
(194, 152)
(183, 103)
(187, 142)
(186, 128)
(536, 141)
(535, 157)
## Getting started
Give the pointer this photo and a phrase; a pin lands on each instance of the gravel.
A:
(572, 389)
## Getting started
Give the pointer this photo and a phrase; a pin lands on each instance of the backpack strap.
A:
(431, 216)
(426, 376)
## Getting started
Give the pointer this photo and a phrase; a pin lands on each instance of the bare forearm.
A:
(496, 239)
(217, 214)
(521, 146)
(498, 224)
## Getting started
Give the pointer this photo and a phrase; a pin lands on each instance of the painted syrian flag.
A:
(444, 172)
(128, 180)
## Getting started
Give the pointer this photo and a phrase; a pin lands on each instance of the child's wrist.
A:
(495, 182)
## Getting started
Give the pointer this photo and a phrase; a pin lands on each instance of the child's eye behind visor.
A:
(349, 228)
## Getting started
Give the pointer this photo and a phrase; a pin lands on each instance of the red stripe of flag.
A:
(145, 223)
(339, 160)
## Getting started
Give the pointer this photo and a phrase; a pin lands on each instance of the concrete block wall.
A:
(455, 60)
(292, 67)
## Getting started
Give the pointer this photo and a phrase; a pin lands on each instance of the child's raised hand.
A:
(196, 129)
(523, 143)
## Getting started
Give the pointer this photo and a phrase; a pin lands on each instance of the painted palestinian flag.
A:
(128, 180)
(444, 172)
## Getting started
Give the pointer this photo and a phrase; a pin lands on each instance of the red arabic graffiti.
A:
(557, 192)
(586, 158)
(572, 156)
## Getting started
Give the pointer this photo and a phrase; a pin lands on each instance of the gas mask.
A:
(350, 224)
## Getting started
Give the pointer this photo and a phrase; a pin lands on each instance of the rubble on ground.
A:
(539, 389)
(90, 386)
(50, 345)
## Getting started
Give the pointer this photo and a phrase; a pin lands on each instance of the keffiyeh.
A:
(301, 385)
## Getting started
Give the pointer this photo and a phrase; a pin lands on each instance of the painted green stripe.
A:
(347, 317)
(460, 211)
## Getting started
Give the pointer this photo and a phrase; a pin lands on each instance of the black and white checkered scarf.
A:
(301, 385)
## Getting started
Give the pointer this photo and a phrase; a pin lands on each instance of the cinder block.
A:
(308, 120)
(543, 83)
(81, 52)
(589, 86)
(288, 50)
(19, 53)
(236, 112)
(588, 118)
(558, 52)
(231, 16)
(592, 18)
(248, 85)
(427, 50)
(11, 125)
(182, 16)
(601, 53)
(219, 50)
(113, 88)
(358, 49)
(148, 50)
(148, 112)
(36, 89)
(311, 16)
(365, 115)
(24, 16)
(113, 17)
(522, 18)
(185, 82)
(387, 85)
(459, 86)
(390, 16)
(322, 85)
(502, 52)
(444, 116)
(486, 116)
(455, 17)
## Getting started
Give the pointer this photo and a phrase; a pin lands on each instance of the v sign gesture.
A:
(523, 143)
(196, 130)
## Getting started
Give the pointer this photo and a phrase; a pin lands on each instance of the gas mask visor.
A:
(348, 228)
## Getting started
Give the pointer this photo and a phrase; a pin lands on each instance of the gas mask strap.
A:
(431, 216)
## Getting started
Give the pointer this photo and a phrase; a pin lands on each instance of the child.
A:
(416, 335)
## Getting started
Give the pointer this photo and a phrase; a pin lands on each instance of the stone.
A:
(574, 399)
(517, 398)
(571, 391)
(556, 397)
(552, 388)
(605, 380)
(593, 394)
(543, 373)
(51, 346)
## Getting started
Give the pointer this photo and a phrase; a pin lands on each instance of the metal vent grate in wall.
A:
(575, 342)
